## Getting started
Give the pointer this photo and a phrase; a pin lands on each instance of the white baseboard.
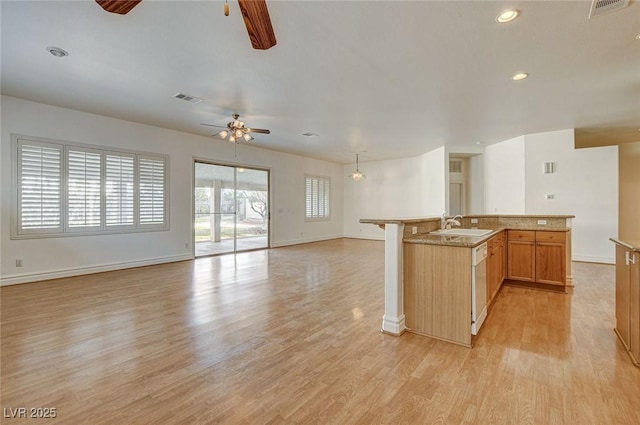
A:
(290, 242)
(590, 259)
(57, 274)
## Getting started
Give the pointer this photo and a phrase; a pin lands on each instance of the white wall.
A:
(61, 256)
(434, 177)
(585, 183)
(476, 185)
(398, 188)
(504, 177)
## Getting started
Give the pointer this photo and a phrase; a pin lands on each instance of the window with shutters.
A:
(119, 190)
(152, 186)
(39, 202)
(63, 189)
(317, 198)
(84, 173)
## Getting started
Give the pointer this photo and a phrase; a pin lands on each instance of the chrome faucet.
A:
(446, 223)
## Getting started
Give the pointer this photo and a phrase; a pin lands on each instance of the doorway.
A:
(231, 209)
(456, 198)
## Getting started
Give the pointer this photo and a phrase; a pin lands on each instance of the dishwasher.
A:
(478, 287)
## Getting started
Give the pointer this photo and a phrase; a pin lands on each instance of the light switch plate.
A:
(474, 221)
(414, 230)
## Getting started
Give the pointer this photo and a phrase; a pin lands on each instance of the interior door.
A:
(231, 209)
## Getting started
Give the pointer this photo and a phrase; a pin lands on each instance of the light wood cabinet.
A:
(634, 308)
(521, 255)
(537, 256)
(495, 265)
(437, 288)
(551, 258)
(628, 300)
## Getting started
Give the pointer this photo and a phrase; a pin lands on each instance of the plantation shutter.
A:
(152, 191)
(39, 187)
(84, 170)
(317, 195)
(119, 190)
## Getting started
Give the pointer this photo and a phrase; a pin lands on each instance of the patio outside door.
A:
(231, 209)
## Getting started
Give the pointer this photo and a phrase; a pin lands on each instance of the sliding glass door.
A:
(231, 209)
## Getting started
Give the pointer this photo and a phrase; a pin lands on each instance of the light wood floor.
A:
(292, 336)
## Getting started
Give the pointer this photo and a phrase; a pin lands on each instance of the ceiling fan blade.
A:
(121, 7)
(258, 23)
(213, 125)
(257, 130)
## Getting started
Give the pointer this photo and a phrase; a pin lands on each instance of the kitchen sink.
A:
(461, 232)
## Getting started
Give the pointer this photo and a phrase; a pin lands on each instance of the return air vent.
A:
(187, 97)
(455, 166)
(600, 7)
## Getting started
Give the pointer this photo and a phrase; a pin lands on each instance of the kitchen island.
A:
(442, 285)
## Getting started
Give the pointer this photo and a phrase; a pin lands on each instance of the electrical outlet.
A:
(548, 196)
(18, 263)
(474, 221)
(414, 230)
(542, 222)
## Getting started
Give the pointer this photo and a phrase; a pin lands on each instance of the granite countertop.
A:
(423, 219)
(632, 245)
(446, 240)
(472, 241)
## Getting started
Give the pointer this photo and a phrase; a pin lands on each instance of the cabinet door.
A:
(521, 260)
(502, 260)
(622, 296)
(634, 307)
(490, 270)
(550, 264)
(491, 275)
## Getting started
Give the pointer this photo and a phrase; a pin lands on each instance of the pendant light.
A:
(357, 175)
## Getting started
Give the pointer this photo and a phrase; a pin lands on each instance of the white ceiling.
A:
(391, 78)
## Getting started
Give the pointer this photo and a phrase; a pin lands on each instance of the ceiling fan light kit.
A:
(236, 131)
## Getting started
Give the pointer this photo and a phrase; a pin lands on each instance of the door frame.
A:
(235, 165)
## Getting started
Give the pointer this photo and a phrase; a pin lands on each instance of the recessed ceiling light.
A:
(57, 52)
(507, 16)
(638, 37)
(520, 76)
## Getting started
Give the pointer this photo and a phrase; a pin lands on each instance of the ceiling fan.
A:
(235, 131)
(254, 12)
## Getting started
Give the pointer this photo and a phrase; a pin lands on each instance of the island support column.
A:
(393, 319)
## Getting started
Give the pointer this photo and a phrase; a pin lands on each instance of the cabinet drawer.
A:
(550, 236)
(522, 235)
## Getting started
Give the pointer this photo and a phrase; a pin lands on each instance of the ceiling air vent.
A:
(600, 7)
(187, 97)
